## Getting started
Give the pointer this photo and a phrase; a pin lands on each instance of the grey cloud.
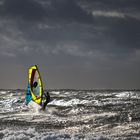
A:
(125, 33)
(112, 31)
(105, 34)
(70, 10)
(112, 8)
(24, 9)
(112, 4)
(32, 10)
(67, 38)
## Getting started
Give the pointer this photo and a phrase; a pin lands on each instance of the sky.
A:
(77, 44)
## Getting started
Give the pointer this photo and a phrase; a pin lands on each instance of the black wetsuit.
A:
(47, 96)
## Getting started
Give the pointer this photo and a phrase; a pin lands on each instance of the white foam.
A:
(3, 92)
(9, 104)
(74, 111)
(96, 102)
(69, 103)
(30, 133)
(67, 93)
(56, 92)
(124, 94)
(34, 106)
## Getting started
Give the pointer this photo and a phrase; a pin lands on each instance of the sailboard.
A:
(35, 78)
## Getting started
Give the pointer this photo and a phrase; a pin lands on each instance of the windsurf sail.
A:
(35, 84)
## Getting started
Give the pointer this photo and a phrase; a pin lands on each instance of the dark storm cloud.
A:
(23, 9)
(95, 37)
(59, 27)
(69, 9)
(111, 4)
(32, 10)
(124, 33)
(118, 22)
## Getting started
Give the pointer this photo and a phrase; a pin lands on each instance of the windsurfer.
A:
(31, 103)
(36, 99)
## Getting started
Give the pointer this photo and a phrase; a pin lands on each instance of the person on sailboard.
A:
(29, 100)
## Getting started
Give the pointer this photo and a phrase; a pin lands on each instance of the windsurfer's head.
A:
(35, 84)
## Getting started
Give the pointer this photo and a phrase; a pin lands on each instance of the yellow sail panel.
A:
(35, 82)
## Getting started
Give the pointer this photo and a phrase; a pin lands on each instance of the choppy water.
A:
(72, 114)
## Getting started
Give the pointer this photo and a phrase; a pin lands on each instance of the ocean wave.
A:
(71, 102)
(31, 133)
(124, 94)
(72, 115)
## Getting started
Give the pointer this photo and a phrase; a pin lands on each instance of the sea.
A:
(72, 115)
